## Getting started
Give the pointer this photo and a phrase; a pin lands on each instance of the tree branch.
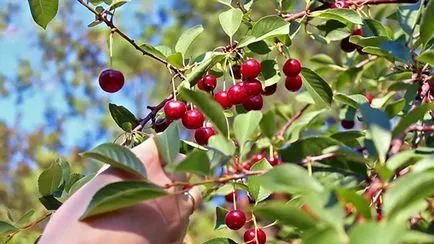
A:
(152, 114)
(281, 132)
(101, 16)
(29, 226)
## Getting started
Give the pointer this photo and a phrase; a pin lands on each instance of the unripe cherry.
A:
(249, 236)
(203, 134)
(235, 219)
(293, 83)
(174, 109)
(193, 119)
(292, 67)
(250, 69)
(111, 80)
(222, 97)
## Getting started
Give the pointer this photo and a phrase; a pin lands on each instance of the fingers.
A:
(191, 200)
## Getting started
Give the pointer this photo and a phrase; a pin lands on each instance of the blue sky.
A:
(18, 42)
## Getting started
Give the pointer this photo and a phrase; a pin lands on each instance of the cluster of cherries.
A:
(235, 219)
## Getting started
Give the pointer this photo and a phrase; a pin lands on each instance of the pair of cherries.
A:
(292, 69)
(191, 119)
(235, 219)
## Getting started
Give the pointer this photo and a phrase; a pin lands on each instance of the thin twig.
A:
(29, 226)
(152, 114)
(281, 132)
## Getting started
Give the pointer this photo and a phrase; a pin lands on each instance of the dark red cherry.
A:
(292, 67)
(230, 197)
(357, 32)
(174, 109)
(193, 119)
(253, 103)
(161, 125)
(269, 90)
(250, 69)
(254, 87)
(203, 134)
(293, 83)
(249, 236)
(274, 161)
(347, 46)
(111, 80)
(222, 97)
(347, 124)
(236, 69)
(237, 93)
(235, 219)
(207, 83)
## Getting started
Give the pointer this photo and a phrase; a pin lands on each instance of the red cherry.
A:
(357, 32)
(236, 69)
(237, 93)
(193, 119)
(111, 80)
(201, 85)
(247, 166)
(161, 125)
(269, 90)
(249, 236)
(203, 134)
(222, 97)
(293, 83)
(347, 46)
(207, 83)
(253, 103)
(347, 124)
(257, 157)
(230, 197)
(174, 109)
(292, 67)
(340, 4)
(254, 87)
(274, 161)
(370, 97)
(250, 69)
(235, 219)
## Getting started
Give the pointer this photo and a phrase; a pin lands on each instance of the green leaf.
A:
(412, 117)
(25, 219)
(318, 89)
(187, 38)
(121, 194)
(427, 23)
(50, 202)
(397, 49)
(268, 26)
(176, 60)
(394, 108)
(301, 124)
(268, 124)
(408, 15)
(259, 47)
(117, 3)
(43, 11)
(427, 57)
(289, 178)
(220, 240)
(123, 117)
(245, 125)
(118, 157)
(225, 2)
(72, 180)
(220, 216)
(231, 20)
(66, 170)
(359, 202)
(270, 72)
(168, 143)
(375, 27)
(371, 232)
(378, 125)
(323, 235)
(79, 183)
(6, 228)
(352, 100)
(209, 107)
(196, 162)
(153, 50)
(200, 70)
(406, 191)
(222, 144)
(254, 182)
(286, 214)
(340, 14)
(50, 179)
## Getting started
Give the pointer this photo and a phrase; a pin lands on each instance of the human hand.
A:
(162, 220)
